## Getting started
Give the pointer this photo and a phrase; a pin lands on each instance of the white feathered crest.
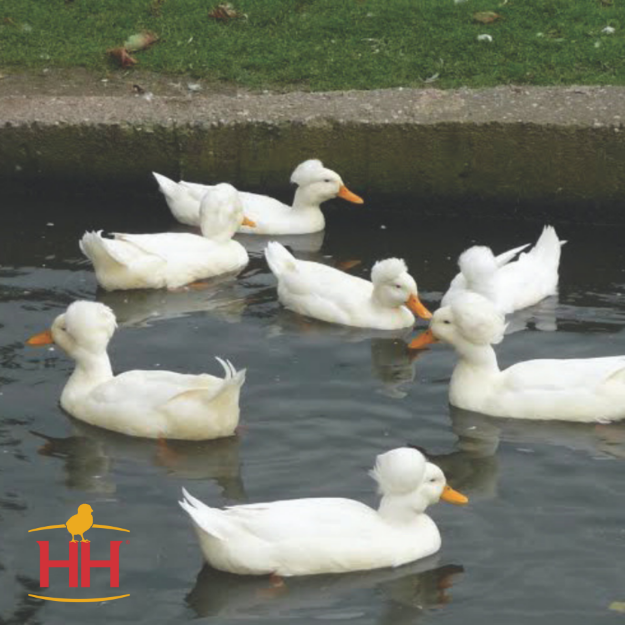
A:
(306, 172)
(399, 471)
(477, 319)
(387, 270)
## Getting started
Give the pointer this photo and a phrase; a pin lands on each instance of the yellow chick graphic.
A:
(81, 522)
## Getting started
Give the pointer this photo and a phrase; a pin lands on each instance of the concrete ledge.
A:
(560, 150)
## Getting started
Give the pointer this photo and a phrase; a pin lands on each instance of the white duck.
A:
(151, 404)
(172, 259)
(315, 185)
(308, 288)
(510, 285)
(585, 390)
(329, 535)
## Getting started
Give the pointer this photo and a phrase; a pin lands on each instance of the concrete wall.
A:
(558, 158)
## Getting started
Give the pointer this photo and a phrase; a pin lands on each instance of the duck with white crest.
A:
(510, 284)
(329, 535)
(586, 390)
(387, 302)
(315, 184)
(151, 404)
(173, 259)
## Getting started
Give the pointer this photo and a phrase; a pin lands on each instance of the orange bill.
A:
(423, 340)
(346, 194)
(415, 305)
(43, 338)
(249, 223)
(453, 496)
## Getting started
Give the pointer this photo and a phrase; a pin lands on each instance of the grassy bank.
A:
(329, 44)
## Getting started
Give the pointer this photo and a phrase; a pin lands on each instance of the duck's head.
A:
(394, 286)
(318, 184)
(221, 212)
(85, 508)
(88, 325)
(470, 320)
(409, 483)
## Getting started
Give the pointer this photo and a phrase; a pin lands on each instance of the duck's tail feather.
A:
(279, 258)
(170, 189)
(547, 248)
(209, 520)
(100, 251)
(232, 377)
(506, 257)
(232, 382)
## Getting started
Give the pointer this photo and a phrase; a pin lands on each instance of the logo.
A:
(78, 525)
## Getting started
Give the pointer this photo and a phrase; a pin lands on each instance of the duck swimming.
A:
(387, 302)
(315, 184)
(329, 535)
(583, 390)
(151, 404)
(173, 259)
(510, 284)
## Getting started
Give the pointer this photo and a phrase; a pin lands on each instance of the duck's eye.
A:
(327, 180)
(447, 321)
(398, 286)
(432, 480)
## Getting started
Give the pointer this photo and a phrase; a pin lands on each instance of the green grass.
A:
(329, 44)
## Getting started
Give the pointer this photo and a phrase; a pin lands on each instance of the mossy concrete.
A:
(553, 151)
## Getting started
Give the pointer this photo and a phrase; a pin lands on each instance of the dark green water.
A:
(541, 541)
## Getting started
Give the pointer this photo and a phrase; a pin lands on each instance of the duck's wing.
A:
(585, 374)
(151, 388)
(196, 190)
(533, 276)
(167, 245)
(305, 519)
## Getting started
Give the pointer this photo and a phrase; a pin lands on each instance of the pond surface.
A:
(543, 536)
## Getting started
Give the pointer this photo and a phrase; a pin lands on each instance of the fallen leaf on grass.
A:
(485, 38)
(122, 57)
(617, 606)
(10, 21)
(141, 41)
(225, 12)
(486, 17)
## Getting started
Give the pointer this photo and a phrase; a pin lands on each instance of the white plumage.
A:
(329, 535)
(510, 285)
(316, 290)
(150, 404)
(316, 184)
(584, 390)
(172, 259)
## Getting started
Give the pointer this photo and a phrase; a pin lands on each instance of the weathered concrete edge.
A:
(559, 150)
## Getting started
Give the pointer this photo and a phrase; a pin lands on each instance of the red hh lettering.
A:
(45, 564)
(86, 563)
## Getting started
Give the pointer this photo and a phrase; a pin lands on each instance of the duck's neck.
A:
(474, 375)
(378, 301)
(92, 369)
(478, 356)
(401, 509)
(304, 200)
(218, 228)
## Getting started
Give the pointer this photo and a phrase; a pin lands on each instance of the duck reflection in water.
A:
(219, 296)
(408, 591)
(482, 434)
(89, 457)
